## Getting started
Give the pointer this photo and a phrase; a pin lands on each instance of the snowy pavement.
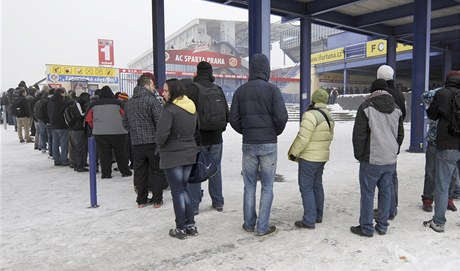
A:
(46, 223)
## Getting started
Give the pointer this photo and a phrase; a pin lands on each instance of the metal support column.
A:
(158, 27)
(391, 53)
(259, 27)
(420, 72)
(305, 64)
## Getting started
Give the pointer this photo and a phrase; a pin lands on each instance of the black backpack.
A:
(212, 108)
(38, 109)
(454, 121)
(69, 114)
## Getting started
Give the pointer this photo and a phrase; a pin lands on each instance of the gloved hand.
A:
(292, 157)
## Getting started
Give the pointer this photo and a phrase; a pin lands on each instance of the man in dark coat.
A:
(447, 148)
(21, 110)
(258, 113)
(59, 130)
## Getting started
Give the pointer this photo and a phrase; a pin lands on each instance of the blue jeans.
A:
(371, 176)
(178, 180)
(311, 190)
(446, 168)
(255, 156)
(214, 184)
(60, 139)
(43, 135)
(430, 174)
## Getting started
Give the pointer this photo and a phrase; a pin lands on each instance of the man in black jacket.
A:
(258, 113)
(59, 130)
(21, 110)
(447, 148)
(209, 140)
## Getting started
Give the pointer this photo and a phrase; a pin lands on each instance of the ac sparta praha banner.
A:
(188, 57)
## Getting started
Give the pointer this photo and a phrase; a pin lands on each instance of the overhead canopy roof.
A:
(383, 18)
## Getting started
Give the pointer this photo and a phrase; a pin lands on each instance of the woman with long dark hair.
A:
(176, 142)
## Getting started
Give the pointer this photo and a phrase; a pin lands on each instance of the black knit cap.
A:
(204, 68)
(379, 84)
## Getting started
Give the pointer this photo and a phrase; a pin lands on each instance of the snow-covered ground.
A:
(46, 223)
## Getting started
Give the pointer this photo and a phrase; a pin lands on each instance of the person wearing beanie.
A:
(386, 73)
(311, 150)
(104, 116)
(258, 112)
(377, 137)
(142, 113)
(447, 150)
(123, 96)
(210, 139)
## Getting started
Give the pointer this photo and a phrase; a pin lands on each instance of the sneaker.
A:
(430, 223)
(142, 205)
(179, 234)
(57, 164)
(300, 224)
(319, 220)
(451, 206)
(22, 141)
(192, 231)
(271, 229)
(106, 177)
(427, 205)
(157, 204)
(247, 230)
(380, 232)
(218, 208)
(359, 231)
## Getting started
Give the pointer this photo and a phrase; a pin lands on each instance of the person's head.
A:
(31, 91)
(84, 97)
(22, 84)
(172, 89)
(385, 72)
(60, 91)
(123, 96)
(319, 96)
(146, 82)
(379, 84)
(21, 92)
(204, 69)
(106, 92)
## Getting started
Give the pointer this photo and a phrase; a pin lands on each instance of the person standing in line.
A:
(141, 116)
(447, 148)
(258, 113)
(59, 129)
(430, 162)
(104, 116)
(20, 108)
(176, 142)
(78, 131)
(211, 129)
(311, 150)
(377, 137)
(386, 73)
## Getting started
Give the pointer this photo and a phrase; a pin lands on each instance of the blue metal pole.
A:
(259, 27)
(305, 64)
(92, 171)
(158, 27)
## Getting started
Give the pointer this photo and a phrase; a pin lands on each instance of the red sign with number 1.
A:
(105, 52)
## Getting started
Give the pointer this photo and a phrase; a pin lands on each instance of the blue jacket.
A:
(258, 111)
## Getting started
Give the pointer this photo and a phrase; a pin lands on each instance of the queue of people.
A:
(165, 133)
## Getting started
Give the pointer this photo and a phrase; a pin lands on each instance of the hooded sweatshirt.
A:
(378, 132)
(175, 133)
(258, 111)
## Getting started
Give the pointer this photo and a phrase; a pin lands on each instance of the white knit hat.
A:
(385, 72)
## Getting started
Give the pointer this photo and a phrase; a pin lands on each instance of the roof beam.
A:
(319, 7)
(440, 22)
(397, 12)
(346, 22)
(283, 8)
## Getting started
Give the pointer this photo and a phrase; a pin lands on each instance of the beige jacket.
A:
(314, 137)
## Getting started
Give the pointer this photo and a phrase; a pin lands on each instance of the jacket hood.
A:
(382, 101)
(185, 103)
(106, 92)
(453, 81)
(259, 68)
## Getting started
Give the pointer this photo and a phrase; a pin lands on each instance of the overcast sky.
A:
(39, 32)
